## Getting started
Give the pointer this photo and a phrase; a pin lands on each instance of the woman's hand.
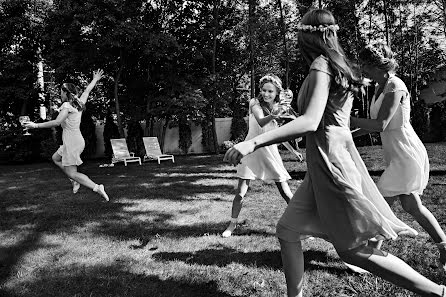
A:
(277, 112)
(97, 75)
(30, 125)
(235, 154)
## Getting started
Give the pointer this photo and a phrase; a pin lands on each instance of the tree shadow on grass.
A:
(313, 260)
(112, 280)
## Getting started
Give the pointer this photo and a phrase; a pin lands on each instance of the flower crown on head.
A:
(319, 28)
(272, 79)
(378, 53)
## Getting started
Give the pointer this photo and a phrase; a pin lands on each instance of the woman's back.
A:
(73, 121)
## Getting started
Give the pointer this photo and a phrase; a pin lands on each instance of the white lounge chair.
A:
(153, 150)
(121, 152)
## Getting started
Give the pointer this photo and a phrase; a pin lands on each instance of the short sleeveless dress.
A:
(337, 200)
(265, 163)
(406, 159)
(72, 139)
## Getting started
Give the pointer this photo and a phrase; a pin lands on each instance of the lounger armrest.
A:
(132, 154)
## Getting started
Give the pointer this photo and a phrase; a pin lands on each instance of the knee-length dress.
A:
(72, 139)
(406, 159)
(265, 163)
(337, 199)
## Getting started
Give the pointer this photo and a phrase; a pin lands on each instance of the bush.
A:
(420, 119)
(227, 144)
(17, 147)
(111, 131)
(134, 138)
(88, 130)
(185, 136)
(48, 147)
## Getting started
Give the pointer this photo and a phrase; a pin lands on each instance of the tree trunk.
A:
(251, 45)
(285, 46)
(214, 74)
(387, 24)
(443, 10)
(40, 78)
(416, 55)
(118, 113)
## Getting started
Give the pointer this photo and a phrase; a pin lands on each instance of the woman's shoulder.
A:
(253, 101)
(68, 106)
(395, 84)
(321, 64)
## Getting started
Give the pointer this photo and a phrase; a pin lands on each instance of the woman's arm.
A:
(257, 111)
(63, 114)
(386, 112)
(319, 85)
(97, 75)
(359, 132)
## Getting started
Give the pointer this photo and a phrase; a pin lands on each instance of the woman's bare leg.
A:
(237, 203)
(412, 204)
(293, 266)
(391, 269)
(285, 191)
(84, 180)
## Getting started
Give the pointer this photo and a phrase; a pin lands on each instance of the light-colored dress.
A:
(72, 139)
(407, 162)
(265, 163)
(337, 199)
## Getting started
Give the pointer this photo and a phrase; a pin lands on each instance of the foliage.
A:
(420, 119)
(185, 135)
(19, 33)
(88, 130)
(16, 147)
(158, 55)
(110, 132)
(134, 138)
(437, 122)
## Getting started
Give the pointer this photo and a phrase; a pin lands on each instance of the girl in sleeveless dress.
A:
(337, 199)
(266, 163)
(407, 164)
(68, 156)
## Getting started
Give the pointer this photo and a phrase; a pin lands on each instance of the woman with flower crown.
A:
(68, 156)
(337, 200)
(266, 163)
(407, 163)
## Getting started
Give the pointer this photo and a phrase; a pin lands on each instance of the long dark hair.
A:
(73, 93)
(326, 43)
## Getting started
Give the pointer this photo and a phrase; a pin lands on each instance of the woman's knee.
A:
(411, 205)
(56, 158)
(359, 254)
(239, 198)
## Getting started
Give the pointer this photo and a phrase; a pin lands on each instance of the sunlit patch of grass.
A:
(161, 233)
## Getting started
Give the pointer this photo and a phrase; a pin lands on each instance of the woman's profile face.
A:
(268, 92)
(63, 95)
(370, 71)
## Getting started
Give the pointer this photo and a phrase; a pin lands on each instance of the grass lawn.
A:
(160, 234)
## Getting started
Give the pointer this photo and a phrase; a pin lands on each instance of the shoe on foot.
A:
(76, 186)
(356, 268)
(228, 232)
(101, 191)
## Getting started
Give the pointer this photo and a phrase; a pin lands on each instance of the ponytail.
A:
(72, 94)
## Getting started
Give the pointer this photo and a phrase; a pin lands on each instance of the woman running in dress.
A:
(68, 156)
(266, 163)
(338, 199)
(407, 163)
